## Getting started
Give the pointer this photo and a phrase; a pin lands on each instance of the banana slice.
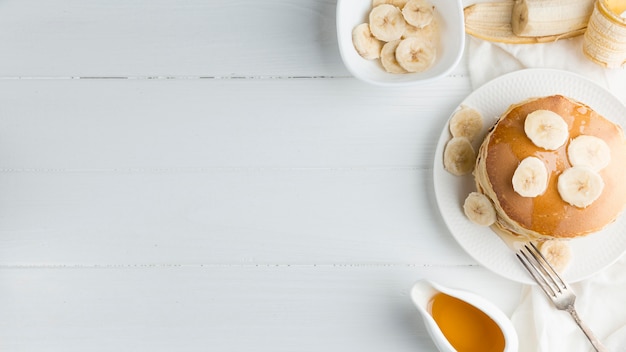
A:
(580, 186)
(365, 43)
(386, 22)
(479, 210)
(530, 179)
(430, 32)
(418, 13)
(459, 156)
(397, 3)
(557, 252)
(416, 54)
(546, 129)
(466, 122)
(589, 151)
(388, 58)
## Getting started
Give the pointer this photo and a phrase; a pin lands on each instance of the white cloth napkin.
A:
(601, 299)
(487, 60)
(600, 302)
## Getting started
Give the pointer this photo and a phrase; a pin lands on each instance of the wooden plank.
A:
(226, 308)
(168, 38)
(212, 171)
(269, 216)
(125, 124)
(164, 38)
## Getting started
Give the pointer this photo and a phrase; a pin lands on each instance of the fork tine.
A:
(541, 270)
(554, 275)
(536, 274)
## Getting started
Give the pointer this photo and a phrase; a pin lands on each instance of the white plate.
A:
(591, 253)
(351, 13)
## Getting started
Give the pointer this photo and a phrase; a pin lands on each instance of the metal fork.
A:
(554, 287)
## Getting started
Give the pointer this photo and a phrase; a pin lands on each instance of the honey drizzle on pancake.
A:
(548, 214)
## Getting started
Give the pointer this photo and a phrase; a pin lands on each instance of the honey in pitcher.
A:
(467, 328)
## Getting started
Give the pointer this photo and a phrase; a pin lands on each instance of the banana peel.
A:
(491, 21)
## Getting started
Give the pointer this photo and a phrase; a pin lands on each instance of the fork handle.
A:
(597, 345)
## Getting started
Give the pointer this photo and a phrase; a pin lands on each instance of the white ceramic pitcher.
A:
(423, 292)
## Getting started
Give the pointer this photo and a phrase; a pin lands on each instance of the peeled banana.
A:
(580, 186)
(546, 129)
(539, 18)
(589, 151)
(530, 178)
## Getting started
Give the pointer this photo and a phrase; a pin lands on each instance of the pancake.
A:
(548, 216)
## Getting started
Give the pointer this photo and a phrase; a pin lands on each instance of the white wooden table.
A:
(207, 176)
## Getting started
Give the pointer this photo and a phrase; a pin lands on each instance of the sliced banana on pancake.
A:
(546, 129)
(580, 186)
(589, 151)
(530, 178)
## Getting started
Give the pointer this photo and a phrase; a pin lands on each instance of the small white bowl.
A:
(351, 13)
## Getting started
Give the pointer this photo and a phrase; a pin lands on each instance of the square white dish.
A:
(351, 13)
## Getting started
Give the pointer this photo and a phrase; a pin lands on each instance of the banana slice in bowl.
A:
(439, 24)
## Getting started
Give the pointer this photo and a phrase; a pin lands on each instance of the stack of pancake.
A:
(547, 215)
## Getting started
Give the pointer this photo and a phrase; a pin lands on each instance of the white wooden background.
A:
(206, 176)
